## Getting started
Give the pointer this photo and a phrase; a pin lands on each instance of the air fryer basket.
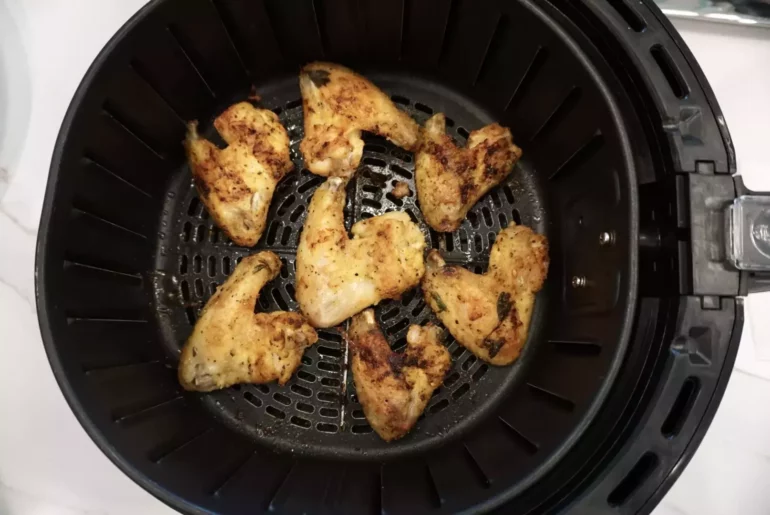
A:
(128, 256)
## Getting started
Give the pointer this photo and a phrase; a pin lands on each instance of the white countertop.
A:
(48, 465)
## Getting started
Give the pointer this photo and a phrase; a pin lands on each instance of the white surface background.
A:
(48, 465)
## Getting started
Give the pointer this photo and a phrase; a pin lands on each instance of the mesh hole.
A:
(358, 414)
(473, 218)
(286, 235)
(306, 376)
(183, 264)
(478, 374)
(458, 352)
(373, 161)
(285, 205)
(329, 336)
(252, 399)
(186, 230)
(190, 313)
(398, 99)
(390, 314)
(361, 429)
(330, 382)
(439, 406)
(463, 241)
(325, 427)
(399, 344)
(198, 288)
(200, 233)
(516, 216)
(328, 367)
(300, 422)
(487, 214)
(408, 297)
(450, 242)
(329, 352)
(495, 199)
(418, 308)
(451, 378)
(462, 131)
(400, 171)
(306, 360)
(310, 184)
(508, 192)
(297, 213)
(329, 412)
(328, 397)
(282, 398)
(185, 287)
(377, 149)
(423, 108)
(291, 292)
(194, 205)
(305, 408)
(278, 298)
(272, 233)
(503, 220)
(371, 203)
(301, 390)
(403, 324)
(461, 391)
(371, 189)
(275, 412)
(434, 239)
(212, 289)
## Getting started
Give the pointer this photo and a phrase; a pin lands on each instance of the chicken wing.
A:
(231, 344)
(338, 105)
(337, 276)
(236, 184)
(490, 314)
(394, 388)
(450, 180)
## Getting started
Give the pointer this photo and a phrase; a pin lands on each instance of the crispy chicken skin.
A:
(394, 388)
(236, 184)
(338, 105)
(450, 180)
(337, 276)
(231, 344)
(490, 314)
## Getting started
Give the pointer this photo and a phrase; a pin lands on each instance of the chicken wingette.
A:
(338, 276)
(339, 104)
(394, 388)
(450, 180)
(490, 314)
(236, 184)
(230, 344)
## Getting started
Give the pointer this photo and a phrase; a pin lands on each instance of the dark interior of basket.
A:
(133, 256)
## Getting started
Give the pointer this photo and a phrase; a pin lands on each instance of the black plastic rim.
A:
(162, 493)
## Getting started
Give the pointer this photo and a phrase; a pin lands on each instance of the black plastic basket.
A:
(633, 337)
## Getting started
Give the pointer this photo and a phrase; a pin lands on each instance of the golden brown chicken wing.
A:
(338, 105)
(231, 344)
(394, 388)
(337, 276)
(450, 180)
(236, 184)
(490, 314)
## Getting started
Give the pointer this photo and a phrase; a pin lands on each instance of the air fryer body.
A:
(630, 345)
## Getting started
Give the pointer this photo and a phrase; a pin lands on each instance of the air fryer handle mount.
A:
(747, 230)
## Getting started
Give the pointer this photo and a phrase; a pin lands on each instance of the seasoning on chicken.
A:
(236, 184)
(337, 276)
(338, 105)
(230, 344)
(394, 388)
(450, 180)
(490, 314)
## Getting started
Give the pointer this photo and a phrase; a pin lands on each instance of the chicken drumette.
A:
(489, 314)
(231, 344)
(394, 388)
(337, 276)
(450, 180)
(236, 184)
(338, 105)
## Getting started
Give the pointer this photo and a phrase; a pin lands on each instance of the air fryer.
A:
(628, 169)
